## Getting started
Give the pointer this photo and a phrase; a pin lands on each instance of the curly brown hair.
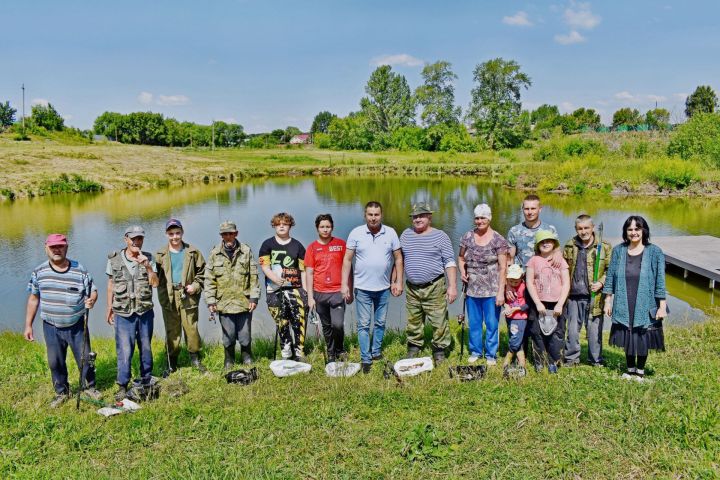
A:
(282, 217)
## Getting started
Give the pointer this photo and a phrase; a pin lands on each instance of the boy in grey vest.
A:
(131, 276)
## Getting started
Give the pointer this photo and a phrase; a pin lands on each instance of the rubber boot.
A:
(438, 356)
(172, 367)
(196, 363)
(246, 355)
(229, 357)
(412, 351)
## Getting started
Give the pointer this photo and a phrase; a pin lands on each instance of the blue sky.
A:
(269, 64)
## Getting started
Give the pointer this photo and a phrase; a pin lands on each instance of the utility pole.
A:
(23, 108)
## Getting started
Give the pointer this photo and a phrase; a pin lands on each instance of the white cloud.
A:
(172, 100)
(67, 117)
(39, 101)
(680, 96)
(228, 120)
(399, 59)
(625, 95)
(569, 39)
(567, 107)
(145, 98)
(603, 103)
(520, 19)
(656, 98)
(579, 16)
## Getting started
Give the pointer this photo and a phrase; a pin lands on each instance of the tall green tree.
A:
(289, 133)
(495, 106)
(7, 115)
(437, 95)
(658, 119)
(627, 117)
(47, 117)
(109, 124)
(321, 122)
(389, 104)
(702, 100)
(545, 116)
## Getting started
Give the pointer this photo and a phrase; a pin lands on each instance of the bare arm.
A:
(110, 296)
(32, 306)
(530, 283)
(345, 285)
(271, 275)
(396, 286)
(512, 251)
(502, 272)
(461, 265)
(451, 273)
(564, 293)
(309, 271)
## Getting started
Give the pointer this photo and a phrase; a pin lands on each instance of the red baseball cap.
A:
(55, 239)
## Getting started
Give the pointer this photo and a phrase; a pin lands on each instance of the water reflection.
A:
(95, 224)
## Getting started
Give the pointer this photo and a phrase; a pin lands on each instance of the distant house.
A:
(301, 139)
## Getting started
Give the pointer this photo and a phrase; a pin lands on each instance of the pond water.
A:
(95, 225)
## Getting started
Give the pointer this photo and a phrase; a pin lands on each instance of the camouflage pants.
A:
(428, 304)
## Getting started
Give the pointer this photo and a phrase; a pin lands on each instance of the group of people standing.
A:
(546, 293)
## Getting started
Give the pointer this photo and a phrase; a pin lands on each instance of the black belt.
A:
(426, 284)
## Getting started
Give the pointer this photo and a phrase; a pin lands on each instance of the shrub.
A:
(69, 184)
(322, 140)
(698, 137)
(672, 173)
(577, 147)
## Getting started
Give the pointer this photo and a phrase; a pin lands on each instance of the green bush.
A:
(322, 140)
(672, 173)
(577, 147)
(551, 150)
(699, 137)
(69, 184)
(408, 138)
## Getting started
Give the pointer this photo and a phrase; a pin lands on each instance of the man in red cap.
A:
(63, 290)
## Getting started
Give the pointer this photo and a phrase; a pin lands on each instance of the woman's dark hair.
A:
(324, 216)
(639, 222)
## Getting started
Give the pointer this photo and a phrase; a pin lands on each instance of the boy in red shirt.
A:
(516, 314)
(323, 266)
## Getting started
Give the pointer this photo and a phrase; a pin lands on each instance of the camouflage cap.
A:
(420, 208)
(228, 227)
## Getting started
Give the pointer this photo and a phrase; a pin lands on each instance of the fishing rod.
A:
(83, 358)
(596, 268)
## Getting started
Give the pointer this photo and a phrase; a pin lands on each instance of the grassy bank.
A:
(583, 423)
(570, 165)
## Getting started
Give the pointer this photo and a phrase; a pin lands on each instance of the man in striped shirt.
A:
(428, 258)
(63, 290)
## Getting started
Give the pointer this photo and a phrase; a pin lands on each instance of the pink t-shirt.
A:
(548, 280)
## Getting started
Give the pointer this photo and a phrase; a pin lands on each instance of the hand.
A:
(110, 317)
(540, 308)
(510, 294)
(661, 313)
(252, 306)
(345, 291)
(464, 277)
(349, 300)
(499, 299)
(90, 302)
(556, 259)
(396, 289)
(311, 303)
(189, 289)
(28, 333)
(595, 287)
(507, 311)
(557, 311)
(139, 258)
(212, 308)
(451, 293)
(608, 308)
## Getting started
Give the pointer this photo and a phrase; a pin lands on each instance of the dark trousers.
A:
(128, 331)
(236, 327)
(330, 307)
(57, 341)
(552, 344)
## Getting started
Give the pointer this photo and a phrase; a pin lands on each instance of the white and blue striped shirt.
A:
(62, 294)
(427, 255)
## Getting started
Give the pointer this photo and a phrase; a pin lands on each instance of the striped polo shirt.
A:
(426, 256)
(62, 294)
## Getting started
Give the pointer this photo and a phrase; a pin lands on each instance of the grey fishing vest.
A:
(131, 294)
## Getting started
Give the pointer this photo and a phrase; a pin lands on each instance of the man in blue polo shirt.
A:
(63, 290)
(376, 248)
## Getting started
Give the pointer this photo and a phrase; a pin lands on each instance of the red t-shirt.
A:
(326, 262)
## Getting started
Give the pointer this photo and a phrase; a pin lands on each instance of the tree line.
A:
(387, 117)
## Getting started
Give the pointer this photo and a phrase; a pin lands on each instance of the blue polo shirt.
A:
(373, 256)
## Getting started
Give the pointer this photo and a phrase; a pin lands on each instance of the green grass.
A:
(583, 423)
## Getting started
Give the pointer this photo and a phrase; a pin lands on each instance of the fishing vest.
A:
(131, 293)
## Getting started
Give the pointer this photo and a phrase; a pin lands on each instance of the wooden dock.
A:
(699, 254)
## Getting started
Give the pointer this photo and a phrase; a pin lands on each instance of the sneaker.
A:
(639, 375)
(377, 358)
(438, 356)
(121, 394)
(196, 363)
(59, 399)
(366, 367)
(598, 364)
(572, 363)
(538, 367)
(342, 357)
(300, 355)
(627, 376)
(286, 351)
(506, 372)
(473, 358)
(521, 372)
(491, 362)
(93, 393)
(552, 368)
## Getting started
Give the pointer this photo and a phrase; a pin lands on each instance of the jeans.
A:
(57, 341)
(483, 310)
(366, 302)
(128, 331)
(576, 310)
